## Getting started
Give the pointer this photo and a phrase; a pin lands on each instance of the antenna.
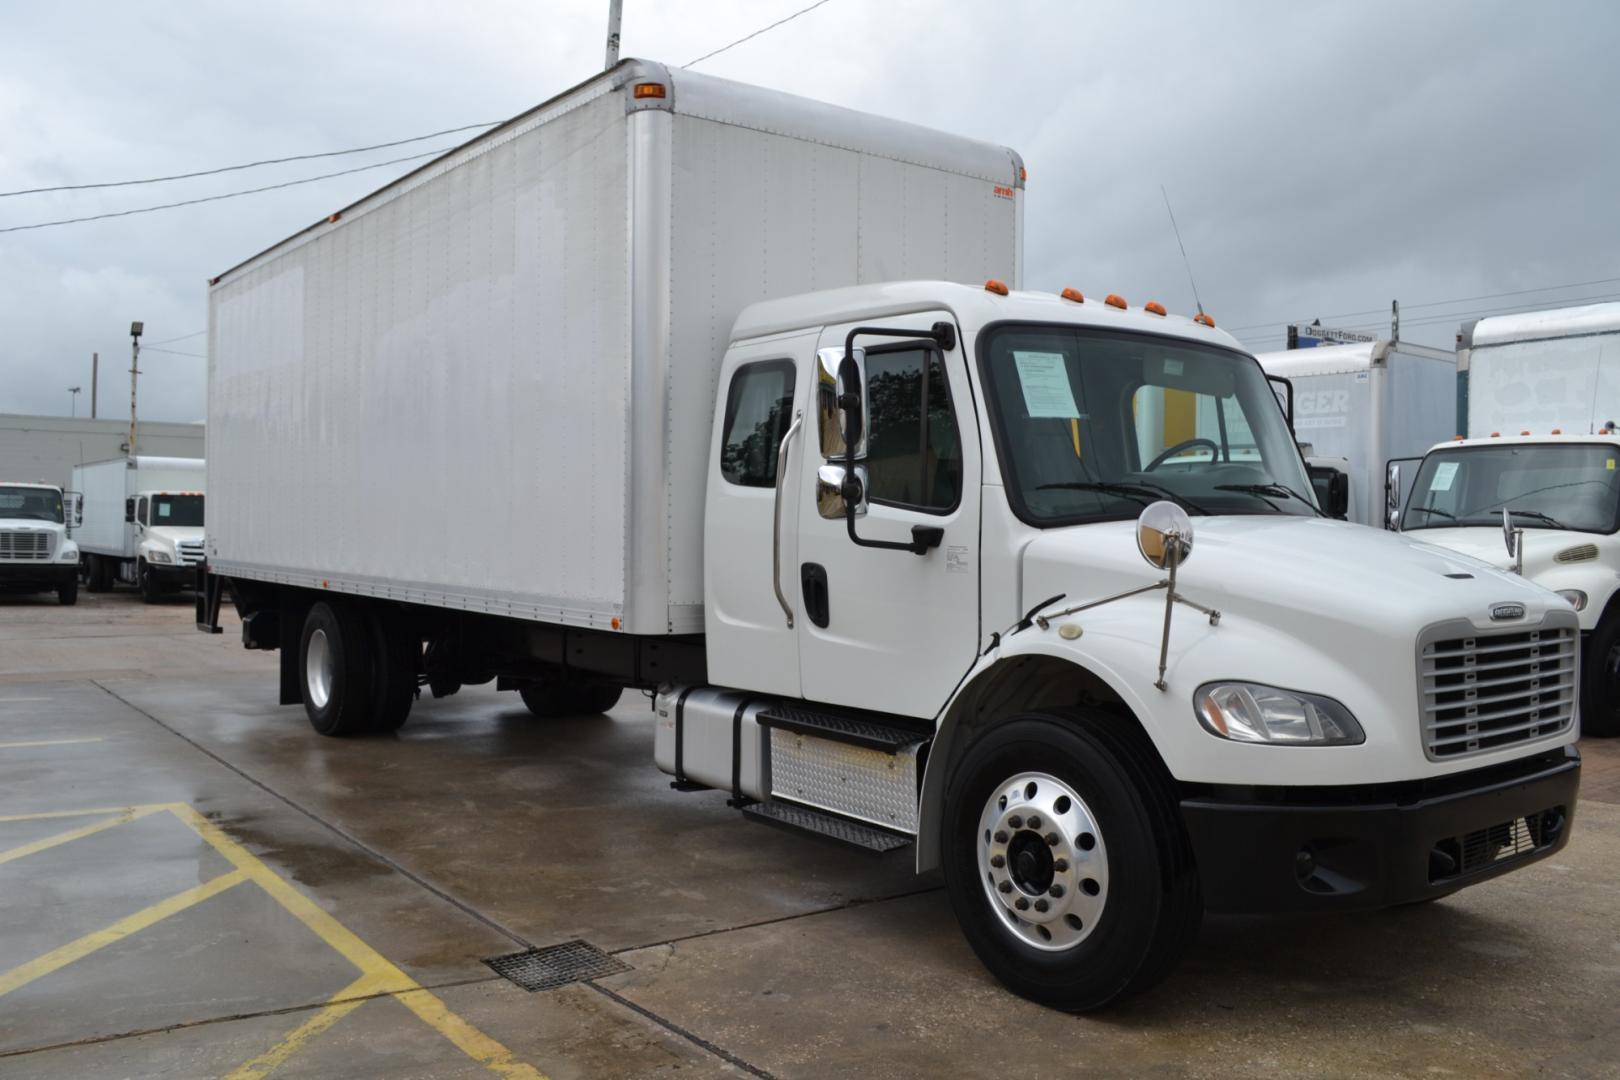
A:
(1597, 375)
(1185, 261)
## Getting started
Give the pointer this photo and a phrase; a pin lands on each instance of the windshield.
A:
(1094, 425)
(1546, 487)
(177, 510)
(33, 504)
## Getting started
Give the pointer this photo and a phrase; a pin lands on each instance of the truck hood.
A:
(1310, 576)
(1541, 546)
(173, 534)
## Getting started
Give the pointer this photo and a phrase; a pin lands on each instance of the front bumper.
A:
(36, 577)
(1314, 849)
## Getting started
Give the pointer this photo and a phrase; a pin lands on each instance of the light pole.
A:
(135, 329)
(74, 390)
(615, 12)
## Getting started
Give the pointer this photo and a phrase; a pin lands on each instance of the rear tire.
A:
(67, 594)
(558, 697)
(99, 574)
(335, 669)
(397, 656)
(1107, 910)
(1600, 680)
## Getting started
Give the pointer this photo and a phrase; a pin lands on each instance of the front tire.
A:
(67, 593)
(335, 669)
(1065, 859)
(151, 591)
(1600, 680)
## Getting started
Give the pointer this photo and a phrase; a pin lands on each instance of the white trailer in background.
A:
(625, 393)
(1366, 404)
(1538, 370)
(142, 522)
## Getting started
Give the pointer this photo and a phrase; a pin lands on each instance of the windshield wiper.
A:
(1134, 490)
(1447, 514)
(1275, 490)
(1546, 519)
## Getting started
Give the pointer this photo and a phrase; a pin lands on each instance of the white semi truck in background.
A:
(142, 522)
(37, 552)
(685, 374)
(1535, 371)
(1363, 404)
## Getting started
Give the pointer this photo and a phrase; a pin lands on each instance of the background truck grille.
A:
(17, 544)
(1489, 690)
(190, 552)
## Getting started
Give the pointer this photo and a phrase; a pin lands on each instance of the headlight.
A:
(69, 554)
(1576, 598)
(159, 556)
(1249, 712)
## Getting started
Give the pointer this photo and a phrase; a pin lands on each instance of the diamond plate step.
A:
(842, 830)
(838, 727)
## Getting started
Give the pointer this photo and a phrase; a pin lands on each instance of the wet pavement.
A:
(193, 884)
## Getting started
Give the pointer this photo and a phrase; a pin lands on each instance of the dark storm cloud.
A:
(1322, 158)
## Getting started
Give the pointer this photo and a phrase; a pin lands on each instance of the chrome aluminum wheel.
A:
(318, 669)
(1044, 865)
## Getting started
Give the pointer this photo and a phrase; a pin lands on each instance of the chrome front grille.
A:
(25, 544)
(1486, 690)
(190, 552)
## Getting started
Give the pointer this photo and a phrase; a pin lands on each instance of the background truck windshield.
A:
(32, 504)
(1546, 487)
(1094, 425)
(177, 510)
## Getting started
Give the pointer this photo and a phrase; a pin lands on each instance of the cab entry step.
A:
(838, 727)
(828, 826)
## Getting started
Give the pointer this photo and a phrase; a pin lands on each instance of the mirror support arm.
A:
(923, 537)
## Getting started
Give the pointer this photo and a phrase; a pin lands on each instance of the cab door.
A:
(750, 544)
(883, 628)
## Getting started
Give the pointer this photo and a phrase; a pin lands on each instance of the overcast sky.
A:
(1322, 158)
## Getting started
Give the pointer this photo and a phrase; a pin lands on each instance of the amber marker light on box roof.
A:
(649, 90)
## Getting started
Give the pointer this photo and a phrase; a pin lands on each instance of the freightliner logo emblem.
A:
(1507, 611)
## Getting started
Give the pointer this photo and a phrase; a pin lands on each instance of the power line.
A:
(174, 352)
(755, 34)
(170, 341)
(227, 195)
(1441, 303)
(248, 165)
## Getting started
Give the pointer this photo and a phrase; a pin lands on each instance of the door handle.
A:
(776, 517)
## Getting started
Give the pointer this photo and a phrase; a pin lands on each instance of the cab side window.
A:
(759, 408)
(913, 450)
(140, 510)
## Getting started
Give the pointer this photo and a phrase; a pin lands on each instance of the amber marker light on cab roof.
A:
(1115, 300)
(1204, 320)
(1557, 431)
(1155, 307)
(649, 90)
(997, 287)
(1073, 294)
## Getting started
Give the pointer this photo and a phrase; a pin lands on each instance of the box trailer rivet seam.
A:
(729, 417)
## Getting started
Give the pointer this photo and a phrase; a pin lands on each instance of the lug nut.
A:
(1005, 886)
(1060, 865)
(1040, 905)
(1052, 839)
(1056, 889)
(1016, 822)
(1034, 821)
(1022, 903)
(1001, 836)
(997, 861)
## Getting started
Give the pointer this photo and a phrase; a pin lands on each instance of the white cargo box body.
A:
(489, 385)
(105, 486)
(1540, 370)
(1367, 403)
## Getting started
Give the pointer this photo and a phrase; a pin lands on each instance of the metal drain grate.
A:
(556, 965)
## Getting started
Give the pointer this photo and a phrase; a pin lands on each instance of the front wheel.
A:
(67, 593)
(1065, 859)
(1600, 680)
(151, 591)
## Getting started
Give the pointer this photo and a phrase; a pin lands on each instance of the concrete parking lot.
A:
(194, 884)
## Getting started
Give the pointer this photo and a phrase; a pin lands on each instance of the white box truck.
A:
(142, 522)
(37, 552)
(1366, 404)
(633, 391)
(1537, 370)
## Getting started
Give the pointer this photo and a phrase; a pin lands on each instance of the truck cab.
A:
(166, 534)
(1546, 507)
(36, 552)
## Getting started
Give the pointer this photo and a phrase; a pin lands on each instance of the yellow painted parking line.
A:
(341, 1004)
(121, 818)
(48, 814)
(47, 742)
(468, 1039)
(23, 974)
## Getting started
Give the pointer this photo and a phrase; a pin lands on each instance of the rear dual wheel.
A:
(1065, 859)
(357, 666)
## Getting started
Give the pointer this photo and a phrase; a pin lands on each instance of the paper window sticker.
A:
(1444, 474)
(1044, 378)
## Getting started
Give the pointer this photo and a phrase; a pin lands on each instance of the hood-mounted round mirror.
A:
(1164, 533)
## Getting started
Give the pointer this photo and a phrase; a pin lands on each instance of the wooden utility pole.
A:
(135, 329)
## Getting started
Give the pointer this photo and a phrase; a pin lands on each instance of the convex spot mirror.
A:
(1164, 534)
(840, 401)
